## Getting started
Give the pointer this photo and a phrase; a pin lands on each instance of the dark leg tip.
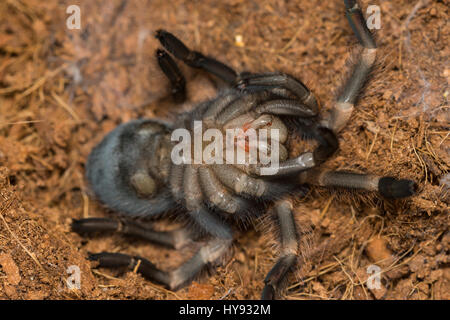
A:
(160, 33)
(268, 292)
(90, 225)
(94, 256)
(75, 225)
(110, 259)
(392, 188)
(169, 41)
(80, 226)
(172, 44)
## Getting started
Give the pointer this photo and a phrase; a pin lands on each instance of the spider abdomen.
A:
(126, 170)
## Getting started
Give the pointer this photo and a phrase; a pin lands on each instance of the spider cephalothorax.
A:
(134, 170)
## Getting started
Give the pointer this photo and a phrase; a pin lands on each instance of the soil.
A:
(62, 90)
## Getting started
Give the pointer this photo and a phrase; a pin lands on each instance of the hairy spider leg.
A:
(174, 239)
(193, 58)
(174, 74)
(208, 254)
(229, 107)
(388, 187)
(211, 252)
(341, 112)
(327, 145)
(297, 101)
(305, 106)
(289, 249)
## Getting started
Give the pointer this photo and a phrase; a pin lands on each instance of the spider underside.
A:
(132, 173)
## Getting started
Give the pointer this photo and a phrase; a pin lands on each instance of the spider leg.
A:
(241, 105)
(328, 144)
(289, 250)
(174, 239)
(218, 195)
(115, 260)
(193, 58)
(303, 162)
(388, 187)
(240, 182)
(344, 106)
(218, 105)
(358, 24)
(194, 204)
(276, 81)
(286, 107)
(210, 253)
(173, 73)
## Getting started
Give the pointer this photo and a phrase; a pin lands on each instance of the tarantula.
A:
(131, 170)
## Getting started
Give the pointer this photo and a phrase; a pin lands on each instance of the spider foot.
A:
(392, 188)
(113, 260)
(194, 59)
(268, 292)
